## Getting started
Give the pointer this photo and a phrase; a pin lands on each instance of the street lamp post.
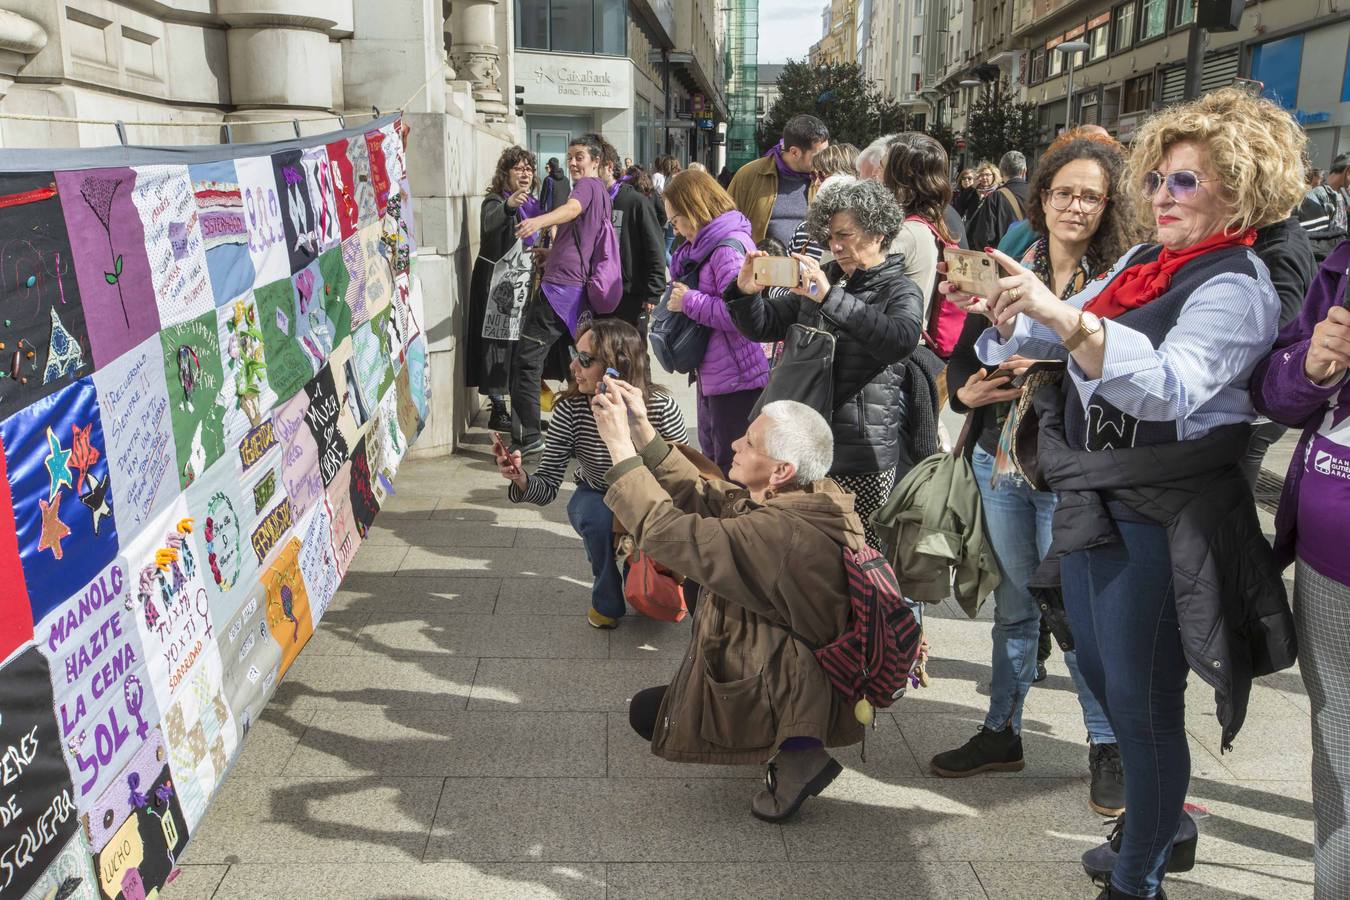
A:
(1069, 49)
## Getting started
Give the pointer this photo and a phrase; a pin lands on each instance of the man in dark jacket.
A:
(555, 190)
(1323, 213)
(642, 244)
(1005, 206)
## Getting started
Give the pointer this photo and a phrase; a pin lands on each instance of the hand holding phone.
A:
(508, 463)
(777, 271)
(972, 272)
(1018, 368)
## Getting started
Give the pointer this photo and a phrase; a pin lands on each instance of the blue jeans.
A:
(1124, 620)
(595, 523)
(1017, 522)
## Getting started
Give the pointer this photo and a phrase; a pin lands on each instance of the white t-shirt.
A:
(916, 241)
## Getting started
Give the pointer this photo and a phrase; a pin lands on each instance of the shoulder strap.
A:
(1012, 199)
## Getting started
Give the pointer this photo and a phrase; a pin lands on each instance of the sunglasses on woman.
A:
(585, 360)
(1181, 185)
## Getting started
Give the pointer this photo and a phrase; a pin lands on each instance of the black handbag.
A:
(805, 370)
(677, 341)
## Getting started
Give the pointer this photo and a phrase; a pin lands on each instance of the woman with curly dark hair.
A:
(1084, 220)
(915, 170)
(501, 280)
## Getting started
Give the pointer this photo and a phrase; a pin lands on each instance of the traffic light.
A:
(520, 101)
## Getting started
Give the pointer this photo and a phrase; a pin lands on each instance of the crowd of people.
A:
(1158, 316)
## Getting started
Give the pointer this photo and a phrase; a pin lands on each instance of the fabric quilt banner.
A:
(212, 363)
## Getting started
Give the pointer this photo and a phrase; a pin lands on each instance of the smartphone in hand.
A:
(1039, 365)
(973, 272)
(777, 271)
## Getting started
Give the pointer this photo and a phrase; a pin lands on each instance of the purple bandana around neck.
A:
(528, 210)
(614, 188)
(784, 170)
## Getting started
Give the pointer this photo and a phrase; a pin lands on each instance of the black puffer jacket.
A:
(876, 315)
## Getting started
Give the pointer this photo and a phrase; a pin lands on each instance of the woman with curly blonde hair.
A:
(1158, 563)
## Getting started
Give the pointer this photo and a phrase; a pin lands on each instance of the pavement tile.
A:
(547, 597)
(1066, 881)
(565, 684)
(451, 743)
(196, 882)
(296, 820)
(374, 558)
(1258, 823)
(400, 634)
(547, 535)
(337, 633)
(441, 533)
(421, 881)
(506, 562)
(638, 637)
(1011, 819)
(1252, 756)
(371, 681)
(801, 881)
(380, 593)
(269, 743)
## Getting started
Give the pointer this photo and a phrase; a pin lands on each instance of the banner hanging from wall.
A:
(211, 365)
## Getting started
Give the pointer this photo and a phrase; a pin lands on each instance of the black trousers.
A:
(1263, 436)
(643, 708)
(539, 331)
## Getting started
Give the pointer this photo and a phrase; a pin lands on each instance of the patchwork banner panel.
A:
(211, 366)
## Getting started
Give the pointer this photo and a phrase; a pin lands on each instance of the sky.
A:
(788, 28)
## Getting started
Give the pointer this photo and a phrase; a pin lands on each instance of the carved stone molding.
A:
(20, 39)
(475, 55)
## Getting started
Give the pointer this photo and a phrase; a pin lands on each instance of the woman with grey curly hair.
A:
(862, 297)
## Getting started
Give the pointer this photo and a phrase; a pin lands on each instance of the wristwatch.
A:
(1088, 325)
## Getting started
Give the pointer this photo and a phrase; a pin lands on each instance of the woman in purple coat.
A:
(1303, 383)
(734, 369)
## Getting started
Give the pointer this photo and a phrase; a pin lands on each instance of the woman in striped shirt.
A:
(604, 344)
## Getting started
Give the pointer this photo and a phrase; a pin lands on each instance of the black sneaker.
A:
(987, 751)
(1107, 794)
(1040, 675)
(500, 419)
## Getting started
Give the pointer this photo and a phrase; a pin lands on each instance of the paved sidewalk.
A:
(455, 729)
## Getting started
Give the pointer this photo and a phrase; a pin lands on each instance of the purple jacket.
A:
(733, 362)
(1282, 391)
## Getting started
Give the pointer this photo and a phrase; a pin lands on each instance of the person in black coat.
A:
(555, 189)
(876, 314)
(500, 281)
(642, 243)
(1006, 205)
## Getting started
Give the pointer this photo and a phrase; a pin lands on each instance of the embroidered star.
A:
(96, 499)
(58, 463)
(53, 529)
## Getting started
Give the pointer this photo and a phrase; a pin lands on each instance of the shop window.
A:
(1123, 26)
(573, 26)
(1152, 18)
(532, 24)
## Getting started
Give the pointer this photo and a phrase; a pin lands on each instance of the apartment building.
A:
(839, 40)
(892, 53)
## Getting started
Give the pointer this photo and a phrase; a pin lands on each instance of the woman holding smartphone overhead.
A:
(1083, 216)
(1157, 556)
(606, 344)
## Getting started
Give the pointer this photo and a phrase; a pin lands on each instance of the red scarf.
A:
(1140, 285)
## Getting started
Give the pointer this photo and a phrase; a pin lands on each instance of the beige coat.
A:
(754, 189)
(745, 685)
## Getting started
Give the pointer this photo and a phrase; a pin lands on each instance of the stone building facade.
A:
(237, 63)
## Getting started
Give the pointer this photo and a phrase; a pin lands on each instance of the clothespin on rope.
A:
(226, 133)
(121, 132)
(376, 111)
(342, 121)
(295, 123)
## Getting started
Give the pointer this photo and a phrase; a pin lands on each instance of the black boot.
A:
(500, 418)
(1100, 862)
(987, 751)
(1110, 893)
(1107, 792)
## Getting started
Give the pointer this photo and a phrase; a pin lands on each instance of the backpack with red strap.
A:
(945, 319)
(872, 659)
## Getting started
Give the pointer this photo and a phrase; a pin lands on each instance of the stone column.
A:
(279, 62)
(20, 39)
(474, 53)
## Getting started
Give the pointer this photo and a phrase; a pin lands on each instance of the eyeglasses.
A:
(585, 360)
(1181, 185)
(1062, 198)
(522, 167)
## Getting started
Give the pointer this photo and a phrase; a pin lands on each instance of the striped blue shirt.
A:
(1197, 377)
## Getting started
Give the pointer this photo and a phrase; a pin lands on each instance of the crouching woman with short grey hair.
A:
(769, 557)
